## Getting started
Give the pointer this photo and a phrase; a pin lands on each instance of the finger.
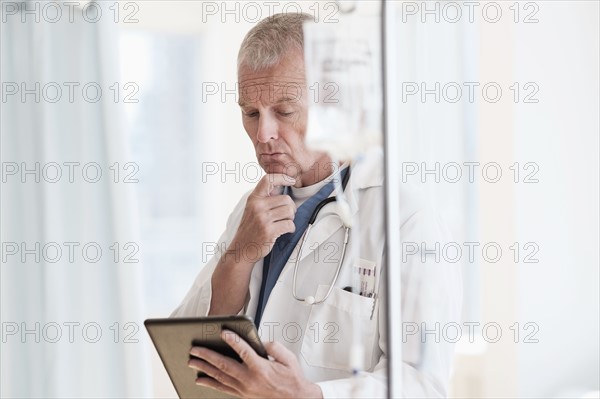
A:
(284, 212)
(267, 184)
(211, 383)
(280, 353)
(226, 364)
(275, 201)
(283, 227)
(242, 348)
(214, 373)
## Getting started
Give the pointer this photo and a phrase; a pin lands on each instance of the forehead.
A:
(285, 80)
(272, 92)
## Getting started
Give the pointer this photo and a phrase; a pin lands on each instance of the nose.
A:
(267, 129)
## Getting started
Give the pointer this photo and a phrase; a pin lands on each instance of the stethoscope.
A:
(345, 217)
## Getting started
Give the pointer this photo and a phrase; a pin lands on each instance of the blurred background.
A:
(123, 154)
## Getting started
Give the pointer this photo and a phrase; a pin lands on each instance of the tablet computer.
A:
(174, 337)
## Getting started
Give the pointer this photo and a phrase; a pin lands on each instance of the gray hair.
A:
(267, 42)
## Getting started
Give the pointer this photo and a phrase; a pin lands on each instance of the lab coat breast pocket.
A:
(328, 338)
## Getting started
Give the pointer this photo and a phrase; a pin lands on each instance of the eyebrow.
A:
(243, 104)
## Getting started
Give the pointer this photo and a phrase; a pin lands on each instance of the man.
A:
(311, 341)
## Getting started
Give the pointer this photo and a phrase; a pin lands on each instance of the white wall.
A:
(560, 133)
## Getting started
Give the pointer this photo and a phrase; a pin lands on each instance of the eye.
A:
(286, 114)
(251, 114)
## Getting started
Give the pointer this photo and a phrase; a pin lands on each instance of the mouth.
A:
(272, 158)
(273, 154)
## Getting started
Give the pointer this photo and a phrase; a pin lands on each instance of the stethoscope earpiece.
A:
(310, 299)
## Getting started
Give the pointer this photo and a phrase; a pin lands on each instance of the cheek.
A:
(296, 141)
(250, 129)
(302, 121)
(300, 125)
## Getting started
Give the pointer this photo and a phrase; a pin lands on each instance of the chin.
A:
(273, 168)
(276, 167)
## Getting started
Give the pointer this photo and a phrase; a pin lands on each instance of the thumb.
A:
(268, 183)
(280, 353)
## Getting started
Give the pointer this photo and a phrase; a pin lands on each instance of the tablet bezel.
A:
(174, 337)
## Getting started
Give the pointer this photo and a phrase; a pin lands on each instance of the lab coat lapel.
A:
(254, 287)
(323, 228)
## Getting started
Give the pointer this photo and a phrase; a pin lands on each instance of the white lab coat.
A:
(321, 335)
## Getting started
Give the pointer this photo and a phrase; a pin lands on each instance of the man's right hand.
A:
(267, 216)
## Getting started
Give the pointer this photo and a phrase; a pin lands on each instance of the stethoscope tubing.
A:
(311, 300)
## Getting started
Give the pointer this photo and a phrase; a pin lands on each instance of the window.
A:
(164, 141)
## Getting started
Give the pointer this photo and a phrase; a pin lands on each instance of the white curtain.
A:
(71, 326)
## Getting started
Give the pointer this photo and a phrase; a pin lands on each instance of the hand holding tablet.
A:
(174, 339)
